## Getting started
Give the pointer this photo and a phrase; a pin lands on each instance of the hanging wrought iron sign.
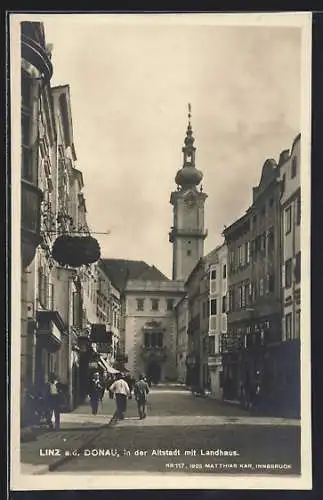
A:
(75, 251)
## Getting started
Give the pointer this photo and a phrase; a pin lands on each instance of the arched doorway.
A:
(154, 372)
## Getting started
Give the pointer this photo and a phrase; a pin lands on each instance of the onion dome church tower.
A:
(187, 234)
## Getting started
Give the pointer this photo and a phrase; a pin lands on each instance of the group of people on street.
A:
(119, 387)
(47, 402)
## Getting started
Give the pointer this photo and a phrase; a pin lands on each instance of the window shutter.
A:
(212, 323)
(224, 323)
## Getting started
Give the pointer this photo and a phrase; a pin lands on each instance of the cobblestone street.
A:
(181, 433)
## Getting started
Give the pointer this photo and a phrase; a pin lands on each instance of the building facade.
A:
(54, 308)
(148, 319)
(36, 73)
(182, 315)
(197, 330)
(206, 290)
(187, 234)
(291, 275)
(237, 237)
(251, 348)
(151, 329)
(217, 315)
(108, 313)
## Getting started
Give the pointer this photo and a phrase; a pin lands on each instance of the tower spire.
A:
(187, 233)
(189, 139)
(188, 176)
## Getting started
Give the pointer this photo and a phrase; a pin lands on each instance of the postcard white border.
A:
(24, 482)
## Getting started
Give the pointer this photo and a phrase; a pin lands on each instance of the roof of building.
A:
(121, 270)
(152, 274)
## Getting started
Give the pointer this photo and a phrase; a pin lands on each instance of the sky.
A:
(130, 86)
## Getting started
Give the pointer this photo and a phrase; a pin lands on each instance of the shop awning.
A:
(105, 365)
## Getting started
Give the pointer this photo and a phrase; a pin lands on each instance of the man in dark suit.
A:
(141, 391)
(53, 396)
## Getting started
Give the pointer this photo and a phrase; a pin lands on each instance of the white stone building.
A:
(290, 177)
(216, 262)
(148, 332)
(291, 242)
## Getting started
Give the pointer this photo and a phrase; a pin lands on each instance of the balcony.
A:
(51, 330)
(34, 52)
(187, 233)
(156, 353)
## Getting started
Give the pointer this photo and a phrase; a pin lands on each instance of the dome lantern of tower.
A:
(188, 176)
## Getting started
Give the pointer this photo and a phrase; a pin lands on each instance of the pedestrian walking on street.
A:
(121, 389)
(141, 391)
(53, 397)
(95, 391)
(147, 380)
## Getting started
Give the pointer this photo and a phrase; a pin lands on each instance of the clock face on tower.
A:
(190, 201)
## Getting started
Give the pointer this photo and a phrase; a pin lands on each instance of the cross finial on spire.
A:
(189, 112)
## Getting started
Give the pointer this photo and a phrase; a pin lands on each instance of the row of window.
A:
(289, 271)
(293, 172)
(240, 256)
(292, 331)
(154, 304)
(105, 317)
(213, 273)
(245, 293)
(261, 246)
(211, 307)
(289, 215)
(153, 339)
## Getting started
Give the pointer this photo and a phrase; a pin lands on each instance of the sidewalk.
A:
(51, 448)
